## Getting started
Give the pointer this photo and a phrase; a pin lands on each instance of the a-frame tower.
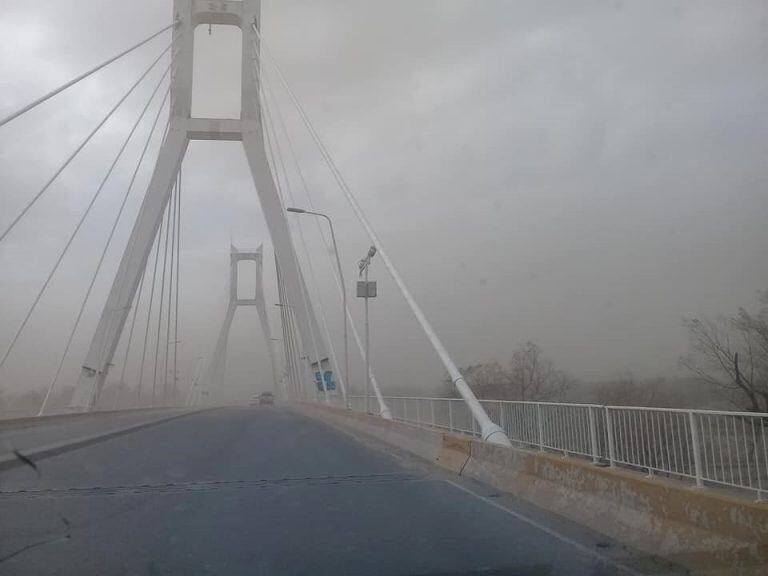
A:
(214, 374)
(183, 127)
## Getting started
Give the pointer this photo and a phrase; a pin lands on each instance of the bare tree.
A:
(534, 377)
(487, 380)
(529, 375)
(731, 354)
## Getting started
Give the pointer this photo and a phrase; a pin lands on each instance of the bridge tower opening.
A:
(216, 73)
(248, 273)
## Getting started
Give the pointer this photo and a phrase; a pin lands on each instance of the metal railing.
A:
(708, 447)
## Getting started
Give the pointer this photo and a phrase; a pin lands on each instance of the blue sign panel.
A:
(330, 384)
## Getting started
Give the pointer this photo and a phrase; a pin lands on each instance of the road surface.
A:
(266, 491)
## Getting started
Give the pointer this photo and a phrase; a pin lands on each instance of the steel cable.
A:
(326, 243)
(162, 299)
(82, 145)
(302, 289)
(490, 430)
(174, 203)
(82, 76)
(178, 256)
(107, 244)
(80, 223)
(149, 308)
(121, 382)
(303, 240)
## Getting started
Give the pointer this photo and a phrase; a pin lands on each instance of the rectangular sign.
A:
(330, 383)
(366, 289)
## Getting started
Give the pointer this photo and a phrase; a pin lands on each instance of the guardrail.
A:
(705, 446)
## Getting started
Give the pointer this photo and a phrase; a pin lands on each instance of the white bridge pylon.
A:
(214, 375)
(182, 128)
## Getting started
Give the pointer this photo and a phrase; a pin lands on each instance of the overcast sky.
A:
(581, 174)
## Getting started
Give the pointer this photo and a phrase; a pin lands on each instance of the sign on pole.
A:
(366, 289)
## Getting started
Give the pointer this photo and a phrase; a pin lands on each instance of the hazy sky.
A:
(580, 174)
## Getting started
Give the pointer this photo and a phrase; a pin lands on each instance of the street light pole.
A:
(343, 296)
(367, 351)
(364, 264)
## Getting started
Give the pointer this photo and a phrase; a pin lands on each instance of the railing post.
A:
(418, 411)
(696, 448)
(541, 426)
(609, 431)
(593, 435)
(432, 410)
(760, 495)
(450, 415)
(502, 418)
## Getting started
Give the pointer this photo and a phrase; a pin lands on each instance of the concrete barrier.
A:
(704, 529)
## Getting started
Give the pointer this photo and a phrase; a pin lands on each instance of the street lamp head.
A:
(296, 210)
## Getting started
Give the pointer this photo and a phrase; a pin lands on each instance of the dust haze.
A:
(579, 175)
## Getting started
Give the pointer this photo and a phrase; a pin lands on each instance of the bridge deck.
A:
(265, 491)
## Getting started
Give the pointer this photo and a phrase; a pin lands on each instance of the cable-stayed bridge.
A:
(162, 481)
(158, 220)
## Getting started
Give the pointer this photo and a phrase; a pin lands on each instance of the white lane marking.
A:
(562, 538)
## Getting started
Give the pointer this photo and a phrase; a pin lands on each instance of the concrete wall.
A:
(706, 530)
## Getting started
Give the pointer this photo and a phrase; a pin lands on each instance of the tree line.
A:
(727, 360)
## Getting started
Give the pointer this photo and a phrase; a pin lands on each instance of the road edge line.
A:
(10, 461)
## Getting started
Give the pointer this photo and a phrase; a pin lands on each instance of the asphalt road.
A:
(266, 491)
